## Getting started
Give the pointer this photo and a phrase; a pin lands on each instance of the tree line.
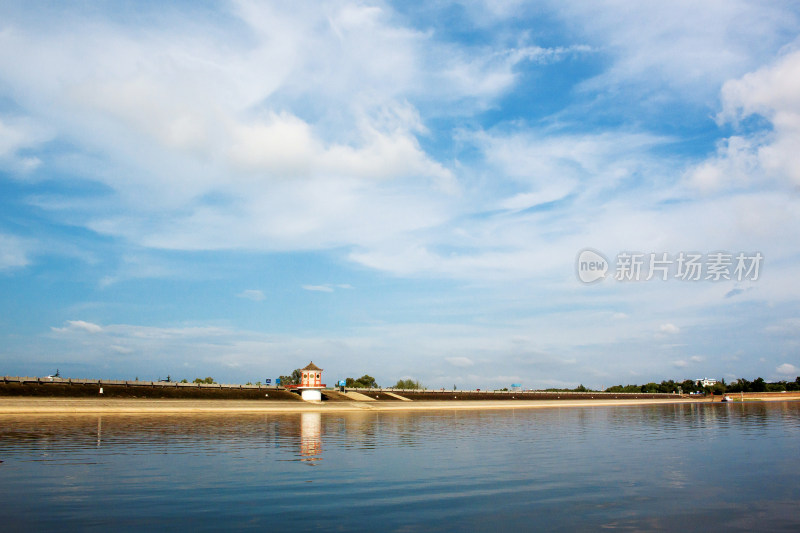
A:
(689, 386)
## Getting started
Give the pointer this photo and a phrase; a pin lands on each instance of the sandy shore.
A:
(146, 406)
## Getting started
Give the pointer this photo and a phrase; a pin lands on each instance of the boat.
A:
(726, 398)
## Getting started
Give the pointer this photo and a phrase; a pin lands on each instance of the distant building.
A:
(311, 376)
(311, 382)
(705, 382)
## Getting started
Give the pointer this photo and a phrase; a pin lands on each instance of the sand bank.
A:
(10, 405)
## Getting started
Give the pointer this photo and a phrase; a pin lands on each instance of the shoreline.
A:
(33, 406)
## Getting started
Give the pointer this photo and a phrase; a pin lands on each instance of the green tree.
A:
(626, 388)
(759, 385)
(778, 386)
(650, 387)
(294, 379)
(364, 382)
(208, 380)
(408, 384)
(718, 389)
(688, 386)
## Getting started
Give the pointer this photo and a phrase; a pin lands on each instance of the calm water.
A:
(676, 468)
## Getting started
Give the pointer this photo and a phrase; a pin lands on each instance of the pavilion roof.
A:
(312, 366)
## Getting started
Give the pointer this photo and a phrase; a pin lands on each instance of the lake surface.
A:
(687, 467)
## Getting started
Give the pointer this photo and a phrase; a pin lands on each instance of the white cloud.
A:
(318, 288)
(688, 47)
(787, 369)
(17, 135)
(121, 349)
(14, 253)
(683, 363)
(305, 121)
(762, 157)
(304, 127)
(252, 294)
(79, 325)
(787, 326)
(461, 362)
(328, 287)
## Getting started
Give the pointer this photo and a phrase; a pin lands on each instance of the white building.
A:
(705, 382)
(311, 383)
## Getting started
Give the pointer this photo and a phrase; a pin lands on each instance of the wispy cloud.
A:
(79, 325)
(670, 329)
(328, 287)
(14, 252)
(17, 135)
(461, 362)
(318, 288)
(252, 294)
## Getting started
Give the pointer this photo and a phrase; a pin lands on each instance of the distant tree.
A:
(293, 379)
(208, 380)
(184, 380)
(364, 382)
(718, 389)
(668, 387)
(408, 384)
(688, 386)
(740, 385)
(759, 385)
(650, 388)
(778, 386)
(626, 388)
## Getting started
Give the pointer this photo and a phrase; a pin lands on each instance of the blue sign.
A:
(277, 381)
(268, 381)
(342, 383)
(516, 385)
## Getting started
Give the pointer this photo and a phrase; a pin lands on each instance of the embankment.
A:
(38, 388)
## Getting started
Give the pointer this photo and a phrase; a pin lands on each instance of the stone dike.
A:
(82, 388)
(473, 395)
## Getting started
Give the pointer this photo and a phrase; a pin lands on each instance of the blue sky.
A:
(235, 188)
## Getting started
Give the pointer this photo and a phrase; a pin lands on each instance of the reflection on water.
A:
(310, 437)
(642, 468)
